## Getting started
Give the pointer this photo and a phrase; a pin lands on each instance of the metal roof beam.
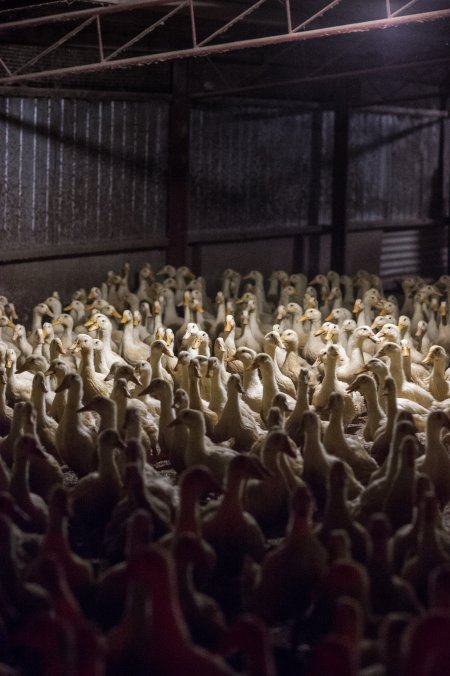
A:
(252, 43)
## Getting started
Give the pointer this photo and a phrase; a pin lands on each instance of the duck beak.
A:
(56, 321)
(329, 335)
(49, 372)
(68, 308)
(303, 318)
(123, 320)
(175, 423)
(8, 363)
(320, 331)
(134, 379)
(10, 324)
(75, 347)
(428, 359)
(374, 339)
(329, 318)
(116, 314)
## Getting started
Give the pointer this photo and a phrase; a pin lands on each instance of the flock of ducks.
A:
(252, 484)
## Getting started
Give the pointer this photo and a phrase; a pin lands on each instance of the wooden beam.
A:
(339, 188)
(178, 166)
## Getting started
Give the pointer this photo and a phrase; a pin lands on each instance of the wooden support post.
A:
(178, 166)
(339, 196)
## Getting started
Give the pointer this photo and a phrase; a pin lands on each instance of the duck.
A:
(59, 369)
(373, 497)
(251, 382)
(347, 447)
(93, 384)
(400, 499)
(46, 426)
(272, 344)
(204, 616)
(6, 412)
(132, 351)
(268, 500)
(376, 417)
(338, 516)
(331, 384)
(293, 422)
(357, 359)
(293, 361)
(154, 567)
(94, 497)
(317, 462)
(200, 449)
(405, 389)
(18, 387)
(76, 443)
(292, 572)
(195, 400)
(55, 544)
(436, 463)
(218, 391)
(237, 419)
(265, 364)
(313, 343)
(439, 386)
(230, 530)
(32, 504)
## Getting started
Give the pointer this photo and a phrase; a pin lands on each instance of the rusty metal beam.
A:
(253, 43)
(51, 48)
(232, 22)
(323, 77)
(146, 31)
(80, 14)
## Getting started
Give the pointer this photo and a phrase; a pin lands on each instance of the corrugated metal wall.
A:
(392, 169)
(250, 168)
(79, 173)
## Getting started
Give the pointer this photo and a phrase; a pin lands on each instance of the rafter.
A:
(207, 46)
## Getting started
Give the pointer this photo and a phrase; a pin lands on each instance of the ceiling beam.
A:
(210, 49)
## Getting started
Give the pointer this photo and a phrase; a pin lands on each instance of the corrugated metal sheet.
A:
(326, 173)
(414, 251)
(77, 172)
(249, 168)
(393, 162)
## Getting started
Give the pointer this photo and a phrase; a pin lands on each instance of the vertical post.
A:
(339, 189)
(178, 166)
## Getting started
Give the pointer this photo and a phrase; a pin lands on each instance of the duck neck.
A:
(38, 399)
(107, 467)
(231, 504)
(336, 510)
(57, 535)
(167, 414)
(188, 519)
(312, 448)
(372, 404)
(433, 444)
(194, 394)
(3, 404)
(218, 398)
(397, 372)
(301, 403)
(155, 363)
(270, 387)
(87, 362)
(335, 428)
(19, 485)
(329, 379)
(108, 417)
(163, 589)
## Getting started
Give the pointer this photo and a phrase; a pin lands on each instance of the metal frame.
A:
(202, 48)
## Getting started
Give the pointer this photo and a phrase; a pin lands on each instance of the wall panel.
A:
(249, 168)
(78, 173)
